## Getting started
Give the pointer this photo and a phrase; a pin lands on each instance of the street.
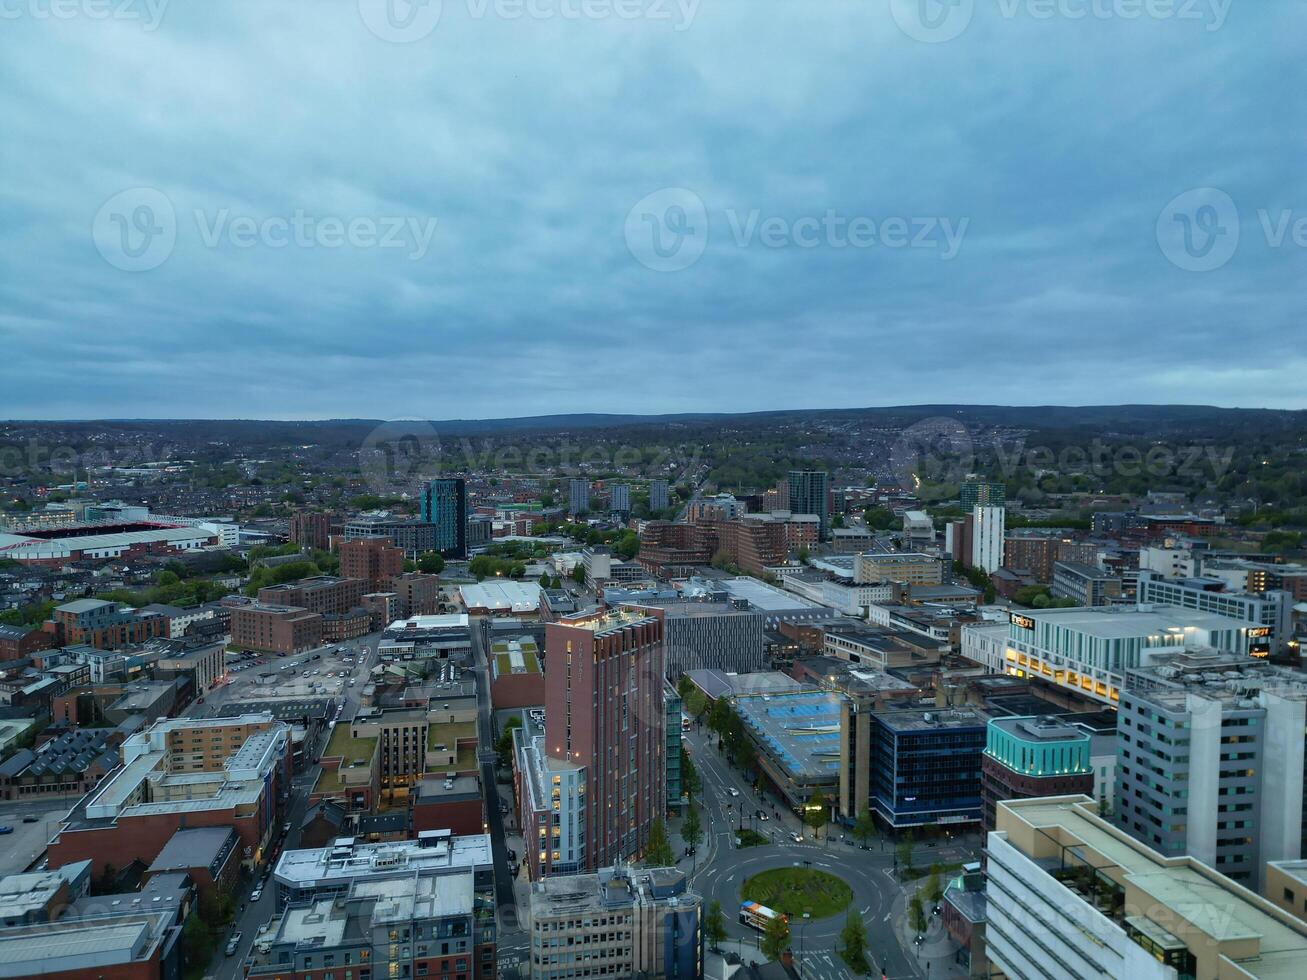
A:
(720, 869)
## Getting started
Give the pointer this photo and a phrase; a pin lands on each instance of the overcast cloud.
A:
(484, 208)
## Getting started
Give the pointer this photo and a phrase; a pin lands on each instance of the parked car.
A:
(233, 944)
(256, 894)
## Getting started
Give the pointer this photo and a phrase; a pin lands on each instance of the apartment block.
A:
(324, 594)
(604, 711)
(275, 628)
(1086, 585)
(1210, 761)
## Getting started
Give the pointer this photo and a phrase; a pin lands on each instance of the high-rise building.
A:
(621, 498)
(617, 923)
(444, 504)
(604, 711)
(1068, 895)
(810, 494)
(977, 493)
(658, 498)
(987, 526)
(1211, 761)
(578, 496)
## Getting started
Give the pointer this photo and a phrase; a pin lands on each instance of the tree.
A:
(903, 850)
(817, 811)
(578, 574)
(935, 884)
(917, 912)
(714, 926)
(690, 781)
(684, 685)
(865, 826)
(505, 745)
(657, 852)
(853, 944)
(691, 828)
(197, 941)
(431, 563)
(776, 938)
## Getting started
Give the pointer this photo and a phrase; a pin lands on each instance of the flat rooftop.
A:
(499, 596)
(1125, 622)
(801, 729)
(931, 719)
(301, 868)
(1187, 889)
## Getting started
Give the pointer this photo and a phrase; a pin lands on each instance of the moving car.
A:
(6, 829)
(734, 792)
(233, 944)
(796, 837)
(256, 894)
(31, 818)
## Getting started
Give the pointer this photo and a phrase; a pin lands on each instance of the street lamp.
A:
(806, 917)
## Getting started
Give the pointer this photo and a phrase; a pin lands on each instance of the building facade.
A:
(444, 504)
(1032, 756)
(810, 494)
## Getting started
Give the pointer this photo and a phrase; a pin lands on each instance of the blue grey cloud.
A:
(443, 227)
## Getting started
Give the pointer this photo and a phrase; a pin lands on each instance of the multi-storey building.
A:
(1272, 610)
(104, 625)
(275, 628)
(552, 801)
(1088, 650)
(374, 561)
(904, 567)
(187, 772)
(1032, 756)
(1069, 895)
(1210, 761)
(1086, 585)
(310, 529)
(810, 494)
(323, 594)
(620, 499)
(618, 922)
(987, 527)
(976, 493)
(604, 711)
(671, 550)
(401, 926)
(658, 497)
(578, 496)
(444, 505)
(910, 767)
(722, 635)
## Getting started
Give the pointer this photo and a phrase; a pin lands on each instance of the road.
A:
(720, 871)
(511, 937)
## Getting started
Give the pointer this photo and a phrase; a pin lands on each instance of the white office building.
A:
(987, 527)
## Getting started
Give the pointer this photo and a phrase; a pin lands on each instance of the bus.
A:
(757, 916)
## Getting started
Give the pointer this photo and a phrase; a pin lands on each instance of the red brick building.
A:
(17, 642)
(310, 529)
(439, 803)
(375, 560)
(318, 593)
(276, 629)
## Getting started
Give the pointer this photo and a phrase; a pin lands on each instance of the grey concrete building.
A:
(1210, 761)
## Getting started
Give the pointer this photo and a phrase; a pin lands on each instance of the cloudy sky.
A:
(484, 208)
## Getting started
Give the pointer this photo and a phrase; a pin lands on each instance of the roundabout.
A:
(798, 891)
